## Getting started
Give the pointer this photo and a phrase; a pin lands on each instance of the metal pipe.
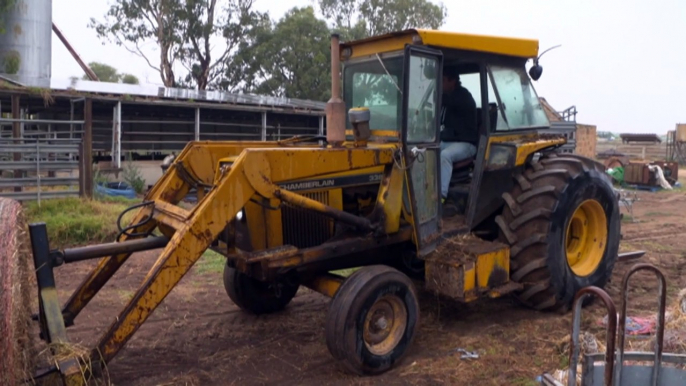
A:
(16, 135)
(103, 250)
(335, 107)
(19, 120)
(659, 328)
(197, 124)
(116, 137)
(264, 126)
(73, 53)
(630, 255)
(574, 347)
(307, 203)
(38, 170)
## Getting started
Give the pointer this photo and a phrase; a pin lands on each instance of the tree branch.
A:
(138, 52)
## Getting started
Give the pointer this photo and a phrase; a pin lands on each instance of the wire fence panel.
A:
(43, 162)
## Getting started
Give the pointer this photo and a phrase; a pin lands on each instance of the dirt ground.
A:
(198, 337)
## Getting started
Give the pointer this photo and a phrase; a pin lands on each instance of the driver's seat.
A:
(463, 164)
(462, 171)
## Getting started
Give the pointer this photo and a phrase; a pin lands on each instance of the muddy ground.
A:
(198, 337)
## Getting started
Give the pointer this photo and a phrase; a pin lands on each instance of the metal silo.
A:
(26, 45)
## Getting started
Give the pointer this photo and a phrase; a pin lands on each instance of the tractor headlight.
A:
(239, 215)
(501, 156)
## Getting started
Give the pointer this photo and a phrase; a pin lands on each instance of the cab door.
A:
(421, 142)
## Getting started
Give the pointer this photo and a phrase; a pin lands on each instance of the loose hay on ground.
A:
(675, 329)
(17, 284)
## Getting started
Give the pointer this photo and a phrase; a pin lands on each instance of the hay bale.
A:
(17, 284)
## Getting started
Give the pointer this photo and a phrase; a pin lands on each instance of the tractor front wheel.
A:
(372, 319)
(562, 222)
(256, 296)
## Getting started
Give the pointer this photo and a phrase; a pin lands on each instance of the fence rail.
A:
(42, 181)
(35, 163)
(38, 195)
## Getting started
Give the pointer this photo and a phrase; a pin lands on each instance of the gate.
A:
(40, 158)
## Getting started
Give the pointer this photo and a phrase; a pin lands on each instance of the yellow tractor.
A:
(530, 220)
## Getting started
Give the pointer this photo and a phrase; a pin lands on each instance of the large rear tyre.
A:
(372, 320)
(562, 222)
(255, 296)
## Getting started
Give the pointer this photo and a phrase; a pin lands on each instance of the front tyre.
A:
(372, 319)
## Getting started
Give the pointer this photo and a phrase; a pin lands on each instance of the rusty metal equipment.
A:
(368, 196)
(676, 144)
(640, 173)
(648, 137)
(611, 369)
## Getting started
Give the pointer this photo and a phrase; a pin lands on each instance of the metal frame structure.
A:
(614, 371)
(676, 150)
(136, 125)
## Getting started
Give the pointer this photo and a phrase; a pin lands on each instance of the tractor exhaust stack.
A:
(335, 107)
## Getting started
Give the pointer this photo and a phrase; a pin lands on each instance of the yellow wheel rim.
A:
(385, 325)
(586, 238)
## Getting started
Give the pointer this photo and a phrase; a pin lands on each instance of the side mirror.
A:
(536, 71)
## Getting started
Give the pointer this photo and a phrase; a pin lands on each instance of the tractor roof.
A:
(524, 48)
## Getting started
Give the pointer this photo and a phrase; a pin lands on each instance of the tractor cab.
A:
(400, 77)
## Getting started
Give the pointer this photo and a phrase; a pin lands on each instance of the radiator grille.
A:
(304, 228)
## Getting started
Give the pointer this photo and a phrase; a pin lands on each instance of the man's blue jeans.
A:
(452, 152)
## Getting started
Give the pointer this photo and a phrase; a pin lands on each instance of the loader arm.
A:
(171, 188)
(255, 172)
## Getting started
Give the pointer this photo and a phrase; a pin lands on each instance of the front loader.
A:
(531, 220)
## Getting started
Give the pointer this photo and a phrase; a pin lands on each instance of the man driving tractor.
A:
(459, 135)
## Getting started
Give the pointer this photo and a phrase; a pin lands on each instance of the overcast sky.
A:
(621, 62)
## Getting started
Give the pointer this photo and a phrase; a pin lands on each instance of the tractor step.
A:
(466, 268)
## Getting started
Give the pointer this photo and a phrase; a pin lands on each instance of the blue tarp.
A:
(116, 189)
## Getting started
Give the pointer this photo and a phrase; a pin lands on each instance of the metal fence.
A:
(568, 129)
(40, 158)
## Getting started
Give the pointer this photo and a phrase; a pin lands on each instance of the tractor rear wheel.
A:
(372, 319)
(562, 222)
(256, 296)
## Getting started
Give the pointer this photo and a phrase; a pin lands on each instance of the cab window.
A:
(371, 85)
(422, 99)
(519, 101)
(471, 80)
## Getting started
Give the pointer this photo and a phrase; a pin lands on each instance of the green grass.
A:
(659, 214)
(211, 262)
(75, 221)
(345, 272)
(627, 218)
(125, 295)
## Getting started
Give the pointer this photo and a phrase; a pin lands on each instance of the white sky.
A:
(620, 62)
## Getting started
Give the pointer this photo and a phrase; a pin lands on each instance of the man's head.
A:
(451, 79)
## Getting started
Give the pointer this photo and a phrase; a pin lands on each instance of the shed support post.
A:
(87, 148)
(16, 135)
(264, 125)
(116, 138)
(197, 123)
